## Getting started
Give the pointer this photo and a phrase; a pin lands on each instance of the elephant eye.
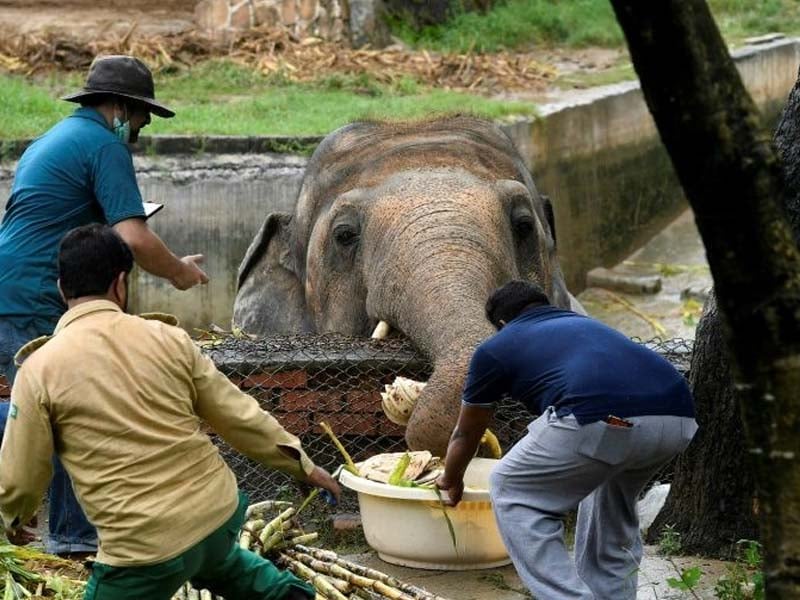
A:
(345, 235)
(523, 226)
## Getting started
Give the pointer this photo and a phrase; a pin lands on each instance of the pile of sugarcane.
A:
(335, 578)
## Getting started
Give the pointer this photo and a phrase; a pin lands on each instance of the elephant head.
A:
(409, 223)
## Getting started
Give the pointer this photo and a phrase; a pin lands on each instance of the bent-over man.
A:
(121, 401)
(612, 414)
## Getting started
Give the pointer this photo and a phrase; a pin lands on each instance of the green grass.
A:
(219, 97)
(519, 24)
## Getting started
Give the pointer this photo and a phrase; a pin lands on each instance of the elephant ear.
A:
(270, 298)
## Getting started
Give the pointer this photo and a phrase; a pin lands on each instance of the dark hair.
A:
(508, 301)
(90, 258)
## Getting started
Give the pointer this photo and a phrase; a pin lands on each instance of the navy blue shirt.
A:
(553, 357)
(77, 173)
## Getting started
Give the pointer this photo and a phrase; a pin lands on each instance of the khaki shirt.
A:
(121, 400)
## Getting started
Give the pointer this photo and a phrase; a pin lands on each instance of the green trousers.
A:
(217, 563)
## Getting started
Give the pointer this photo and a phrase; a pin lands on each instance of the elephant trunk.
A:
(443, 314)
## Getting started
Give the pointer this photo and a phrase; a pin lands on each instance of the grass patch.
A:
(219, 97)
(520, 24)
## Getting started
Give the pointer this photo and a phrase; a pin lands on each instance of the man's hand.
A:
(322, 479)
(190, 273)
(454, 489)
(22, 536)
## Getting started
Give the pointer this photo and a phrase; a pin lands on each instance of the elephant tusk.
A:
(381, 331)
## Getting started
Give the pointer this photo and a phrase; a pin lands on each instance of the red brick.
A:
(5, 389)
(346, 423)
(288, 380)
(363, 402)
(307, 400)
(297, 423)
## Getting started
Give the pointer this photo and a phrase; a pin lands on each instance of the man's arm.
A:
(486, 384)
(152, 254)
(472, 423)
(115, 187)
(25, 456)
(238, 418)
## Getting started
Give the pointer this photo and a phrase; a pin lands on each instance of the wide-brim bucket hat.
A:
(124, 76)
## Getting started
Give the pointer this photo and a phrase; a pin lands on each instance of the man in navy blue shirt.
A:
(612, 413)
(79, 172)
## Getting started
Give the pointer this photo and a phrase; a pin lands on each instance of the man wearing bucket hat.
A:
(78, 172)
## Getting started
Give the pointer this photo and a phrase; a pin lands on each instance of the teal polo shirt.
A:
(77, 173)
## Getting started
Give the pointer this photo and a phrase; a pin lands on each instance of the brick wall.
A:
(351, 405)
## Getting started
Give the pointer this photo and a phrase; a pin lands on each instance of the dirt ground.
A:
(88, 18)
(38, 35)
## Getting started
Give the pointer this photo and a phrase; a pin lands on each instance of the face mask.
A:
(122, 130)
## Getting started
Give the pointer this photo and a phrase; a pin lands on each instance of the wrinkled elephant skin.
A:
(413, 224)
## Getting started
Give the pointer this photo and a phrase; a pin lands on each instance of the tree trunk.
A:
(712, 495)
(713, 478)
(734, 183)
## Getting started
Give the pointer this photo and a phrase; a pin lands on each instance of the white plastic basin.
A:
(406, 526)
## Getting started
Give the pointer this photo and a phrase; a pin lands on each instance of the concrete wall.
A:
(598, 156)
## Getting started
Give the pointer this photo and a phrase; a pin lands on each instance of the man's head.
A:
(94, 262)
(122, 89)
(509, 301)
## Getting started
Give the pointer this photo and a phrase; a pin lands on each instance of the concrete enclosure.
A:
(599, 158)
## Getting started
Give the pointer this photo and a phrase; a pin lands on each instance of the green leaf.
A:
(447, 518)
(396, 478)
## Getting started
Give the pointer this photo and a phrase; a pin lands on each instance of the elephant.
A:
(409, 223)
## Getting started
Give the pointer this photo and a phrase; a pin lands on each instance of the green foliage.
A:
(518, 24)
(689, 578)
(744, 579)
(670, 542)
(219, 97)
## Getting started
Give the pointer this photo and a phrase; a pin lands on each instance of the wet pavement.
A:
(504, 584)
(677, 258)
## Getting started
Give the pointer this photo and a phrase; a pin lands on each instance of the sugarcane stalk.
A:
(180, 594)
(258, 509)
(206, 595)
(340, 572)
(341, 585)
(332, 557)
(248, 530)
(305, 538)
(314, 493)
(320, 582)
(349, 464)
(193, 594)
(277, 524)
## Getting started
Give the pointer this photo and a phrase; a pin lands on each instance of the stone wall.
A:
(319, 18)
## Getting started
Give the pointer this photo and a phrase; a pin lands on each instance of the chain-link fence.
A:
(303, 380)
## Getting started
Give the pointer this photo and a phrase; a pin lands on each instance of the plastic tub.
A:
(406, 526)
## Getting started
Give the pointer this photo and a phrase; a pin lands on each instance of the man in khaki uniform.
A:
(121, 400)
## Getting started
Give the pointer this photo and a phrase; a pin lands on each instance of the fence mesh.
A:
(303, 380)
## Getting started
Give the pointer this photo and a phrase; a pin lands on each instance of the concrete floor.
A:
(504, 584)
(677, 256)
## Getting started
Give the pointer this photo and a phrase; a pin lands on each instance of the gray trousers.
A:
(599, 468)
